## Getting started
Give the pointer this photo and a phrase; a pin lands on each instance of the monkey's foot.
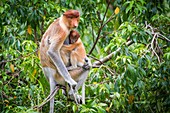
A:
(77, 97)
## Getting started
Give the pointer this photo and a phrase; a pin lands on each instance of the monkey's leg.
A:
(49, 73)
(73, 61)
(81, 80)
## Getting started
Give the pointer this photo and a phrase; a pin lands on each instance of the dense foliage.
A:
(132, 35)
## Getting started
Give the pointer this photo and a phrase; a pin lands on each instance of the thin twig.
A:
(110, 70)
(15, 74)
(110, 18)
(159, 34)
(164, 37)
(49, 97)
(94, 58)
(155, 35)
(4, 95)
(108, 57)
(100, 29)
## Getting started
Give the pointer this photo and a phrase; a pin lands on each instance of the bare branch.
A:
(110, 70)
(95, 58)
(49, 97)
(154, 37)
(154, 44)
(108, 57)
(164, 37)
(100, 29)
(110, 18)
(153, 32)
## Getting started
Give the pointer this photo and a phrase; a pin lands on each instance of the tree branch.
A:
(108, 57)
(164, 37)
(49, 97)
(100, 29)
(152, 46)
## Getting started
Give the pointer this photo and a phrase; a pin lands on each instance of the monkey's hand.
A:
(71, 83)
(77, 97)
(87, 63)
(61, 68)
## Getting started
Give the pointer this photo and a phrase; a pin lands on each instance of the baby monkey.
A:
(75, 52)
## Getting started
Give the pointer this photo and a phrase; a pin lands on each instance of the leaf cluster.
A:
(131, 77)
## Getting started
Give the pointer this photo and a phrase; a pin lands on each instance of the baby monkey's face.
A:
(74, 36)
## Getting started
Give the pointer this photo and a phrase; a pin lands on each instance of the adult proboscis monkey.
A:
(52, 63)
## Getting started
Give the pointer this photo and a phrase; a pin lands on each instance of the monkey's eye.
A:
(71, 17)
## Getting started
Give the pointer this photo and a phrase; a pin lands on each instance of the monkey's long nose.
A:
(75, 25)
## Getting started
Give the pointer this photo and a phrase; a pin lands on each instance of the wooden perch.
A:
(108, 57)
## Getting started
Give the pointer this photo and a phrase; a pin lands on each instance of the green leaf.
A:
(129, 28)
(102, 104)
(74, 108)
(131, 69)
(101, 110)
(142, 72)
(129, 7)
(1, 10)
(139, 7)
(35, 1)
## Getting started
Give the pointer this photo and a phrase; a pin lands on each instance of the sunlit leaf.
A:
(6, 101)
(34, 72)
(108, 109)
(29, 30)
(94, 82)
(129, 28)
(74, 108)
(117, 10)
(12, 67)
(102, 104)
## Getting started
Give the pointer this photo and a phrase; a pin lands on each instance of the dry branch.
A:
(101, 27)
(108, 57)
(154, 43)
(49, 97)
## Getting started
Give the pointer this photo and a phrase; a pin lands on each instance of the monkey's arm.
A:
(54, 54)
(70, 47)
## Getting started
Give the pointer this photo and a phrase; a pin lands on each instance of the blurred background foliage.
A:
(135, 79)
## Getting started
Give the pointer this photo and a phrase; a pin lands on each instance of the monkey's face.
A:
(73, 40)
(73, 22)
(74, 36)
(72, 18)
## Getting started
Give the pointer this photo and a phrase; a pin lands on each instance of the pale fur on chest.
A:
(63, 26)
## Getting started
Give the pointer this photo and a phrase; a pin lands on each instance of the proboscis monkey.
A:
(52, 64)
(75, 51)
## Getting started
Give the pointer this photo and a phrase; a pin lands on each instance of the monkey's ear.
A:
(71, 14)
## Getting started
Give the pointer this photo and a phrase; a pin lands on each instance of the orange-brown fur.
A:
(75, 49)
(50, 32)
(56, 34)
(50, 56)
